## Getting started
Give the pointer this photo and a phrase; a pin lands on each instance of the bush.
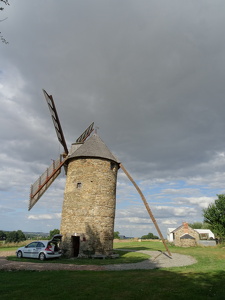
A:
(149, 236)
(15, 236)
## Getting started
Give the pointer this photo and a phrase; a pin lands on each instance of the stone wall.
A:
(185, 230)
(89, 206)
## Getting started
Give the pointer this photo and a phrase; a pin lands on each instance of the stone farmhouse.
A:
(185, 236)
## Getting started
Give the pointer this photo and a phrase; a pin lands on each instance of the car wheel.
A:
(42, 256)
(19, 254)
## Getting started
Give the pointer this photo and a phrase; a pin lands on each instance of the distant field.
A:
(8, 248)
(203, 280)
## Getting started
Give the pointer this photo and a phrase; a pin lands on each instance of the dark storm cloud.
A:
(149, 73)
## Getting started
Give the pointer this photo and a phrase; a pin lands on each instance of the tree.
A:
(2, 235)
(214, 215)
(11, 237)
(149, 236)
(116, 235)
(6, 2)
(53, 232)
(199, 225)
(15, 236)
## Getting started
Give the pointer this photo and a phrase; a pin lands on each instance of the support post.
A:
(147, 207)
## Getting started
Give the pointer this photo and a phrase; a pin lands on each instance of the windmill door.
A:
(76, 245)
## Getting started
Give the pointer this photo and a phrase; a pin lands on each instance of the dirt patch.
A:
(7, 253)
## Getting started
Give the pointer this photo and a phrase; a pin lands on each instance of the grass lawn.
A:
(203, 280)
(8, 248)
(125, 258)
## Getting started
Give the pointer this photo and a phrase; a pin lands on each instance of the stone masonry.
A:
(185, 236)
(89, 205)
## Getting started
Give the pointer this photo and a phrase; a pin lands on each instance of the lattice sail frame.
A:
(85, 134)
(52, 172)
(45, 180)
(55, 119)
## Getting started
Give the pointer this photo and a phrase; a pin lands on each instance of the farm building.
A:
(185, 236)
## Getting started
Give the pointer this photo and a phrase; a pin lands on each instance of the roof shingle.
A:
(94, 147)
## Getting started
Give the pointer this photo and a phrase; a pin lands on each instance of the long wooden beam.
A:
(147, 207)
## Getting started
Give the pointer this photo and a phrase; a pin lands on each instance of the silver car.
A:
(41, 249)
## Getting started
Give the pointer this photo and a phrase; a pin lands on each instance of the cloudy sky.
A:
(150, 74)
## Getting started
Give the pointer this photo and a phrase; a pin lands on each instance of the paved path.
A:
(157, 260)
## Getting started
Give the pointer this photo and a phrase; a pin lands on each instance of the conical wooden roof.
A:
(94, 147)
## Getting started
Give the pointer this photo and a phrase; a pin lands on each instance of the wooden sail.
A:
(45, 180)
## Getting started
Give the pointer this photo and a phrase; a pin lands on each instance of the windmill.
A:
(88, 212)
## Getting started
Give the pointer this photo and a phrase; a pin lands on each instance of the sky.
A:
(150, 74)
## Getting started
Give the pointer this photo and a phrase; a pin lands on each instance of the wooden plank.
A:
(147, 207)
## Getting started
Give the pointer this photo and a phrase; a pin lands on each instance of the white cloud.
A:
(169, 222)
(202, 202)
(44, 217)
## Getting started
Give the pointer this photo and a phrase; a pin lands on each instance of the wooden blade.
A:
(147, 207)
(55, 119)
(85, 134)
(45, 180)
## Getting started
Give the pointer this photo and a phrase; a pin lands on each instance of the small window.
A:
(79, 184)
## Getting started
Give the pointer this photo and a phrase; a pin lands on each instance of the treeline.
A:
(19, 236)
(149, 236)
(12, 236)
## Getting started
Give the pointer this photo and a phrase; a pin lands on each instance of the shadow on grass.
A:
(138, 284)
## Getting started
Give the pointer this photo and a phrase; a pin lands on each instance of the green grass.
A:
(8, 248)
(201, 281)
(209, 258)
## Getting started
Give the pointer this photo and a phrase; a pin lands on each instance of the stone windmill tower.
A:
(88, 212)
(90, 198)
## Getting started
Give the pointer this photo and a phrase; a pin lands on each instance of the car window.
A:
(32, 245)
(40, 245)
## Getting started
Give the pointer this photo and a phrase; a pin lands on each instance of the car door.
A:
(57, 238)
(29, 249)
(40, 247)
(35, 250)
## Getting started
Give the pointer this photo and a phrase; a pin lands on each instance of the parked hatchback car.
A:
(41, 249)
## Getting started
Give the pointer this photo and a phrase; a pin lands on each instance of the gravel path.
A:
(157, 260)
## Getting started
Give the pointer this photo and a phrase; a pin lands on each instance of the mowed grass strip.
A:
(203, 280)
(124, 258)
(142, 284)
(8, 248)
(209, 258)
